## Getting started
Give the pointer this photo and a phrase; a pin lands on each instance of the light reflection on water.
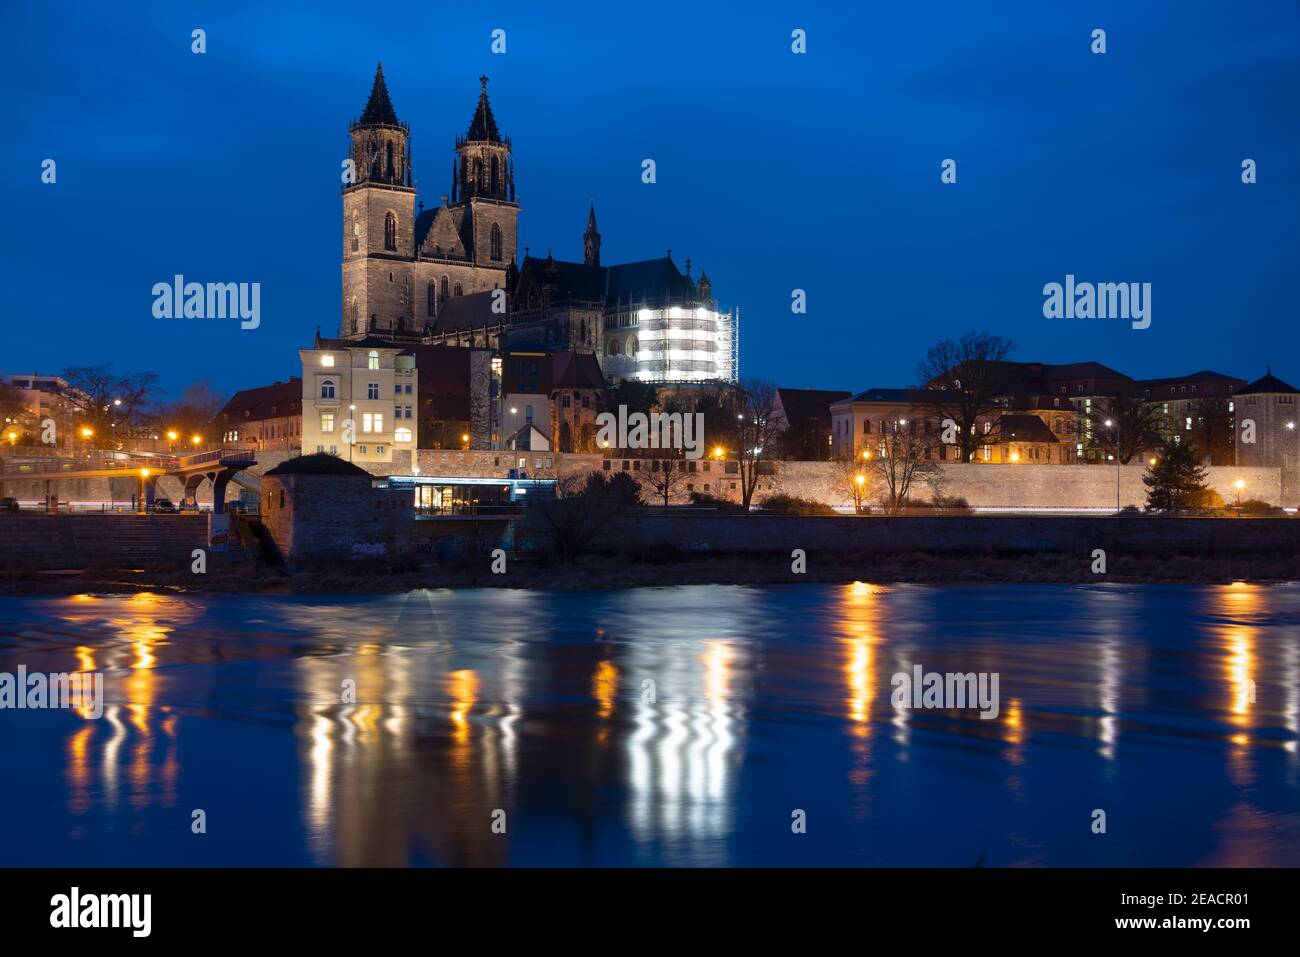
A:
(660, 726)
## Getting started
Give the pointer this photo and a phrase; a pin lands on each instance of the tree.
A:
(902, 460)
(191, 414)
(105, 403)
(1124, 426)
(663, 476)
(584, 503)
(757, 434)
(855, 479)
(1212, 432)
(636, 395)
(1176, 481)
(960, 381)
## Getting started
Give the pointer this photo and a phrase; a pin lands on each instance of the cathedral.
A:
(451, 274)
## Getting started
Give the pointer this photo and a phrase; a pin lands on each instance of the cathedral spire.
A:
(379, 108)
(591, 239)
(483, 127)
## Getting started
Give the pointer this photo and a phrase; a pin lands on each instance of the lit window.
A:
(372, 361)
(327, 422)
(402, 435)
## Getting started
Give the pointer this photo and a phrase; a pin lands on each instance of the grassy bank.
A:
(663, 569)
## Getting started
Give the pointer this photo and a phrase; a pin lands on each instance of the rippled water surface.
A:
(677, 726)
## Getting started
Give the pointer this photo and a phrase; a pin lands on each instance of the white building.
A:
(359, 399)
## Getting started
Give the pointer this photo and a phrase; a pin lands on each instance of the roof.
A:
(1025, 428)
(379, 108)
(467, 312)
(369, 342)
(898, 395)
(1205, 375)
(484, 125)
(318, 463)
(576, 370)
(655, 280)
(571, 280)
(801, 405)
(1267, 384)
(263, 402)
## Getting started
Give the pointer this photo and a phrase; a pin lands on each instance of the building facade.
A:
(359, 399)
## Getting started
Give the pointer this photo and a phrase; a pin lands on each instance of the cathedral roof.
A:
(467, 312)
(571, 280)
(652, 280)
(484, 125)
(379, 108)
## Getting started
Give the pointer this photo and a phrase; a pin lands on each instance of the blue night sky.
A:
(775, 171)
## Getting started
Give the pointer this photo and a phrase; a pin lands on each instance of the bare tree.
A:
(663, 476)
(902, 460)
(584, 503)
(855, 479)
(106, 404)
(193, 413)
(960, 381)
(1124, 426)
(757, 434)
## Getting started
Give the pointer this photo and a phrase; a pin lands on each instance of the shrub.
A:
(793, 505)
(705, 500)
(1255, 506)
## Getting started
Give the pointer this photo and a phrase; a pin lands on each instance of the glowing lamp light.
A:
(1154, 461)
(196, 439)
(87, 432)
(171, 436)
(1239, 484)
(860, 479)
(1015, 456)
(719, 452)
(327, 360)
(144, 473)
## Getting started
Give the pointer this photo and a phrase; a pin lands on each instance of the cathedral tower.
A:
(378, 222)
(483, 181)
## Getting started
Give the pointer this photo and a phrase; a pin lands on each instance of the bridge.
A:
(218, 466)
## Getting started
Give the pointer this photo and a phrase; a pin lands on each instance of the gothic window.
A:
(390, 232)
(327, 389)
(391, 171)
(494, 184)
(632, 347)
(478, 172)
(356, 233)
(442, 289)
(432, 305)
(496, 233)
(457, 290)
(354, 315)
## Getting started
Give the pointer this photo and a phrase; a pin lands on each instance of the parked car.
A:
(8, 504)
(164, 505)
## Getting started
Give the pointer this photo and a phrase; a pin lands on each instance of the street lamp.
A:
(1239, 485)
(196, 439)
(144, 474)
(465, 441)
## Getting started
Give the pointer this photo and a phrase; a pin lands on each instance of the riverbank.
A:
(599, 572)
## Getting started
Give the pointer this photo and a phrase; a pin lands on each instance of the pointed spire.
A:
(379, 108)
(484, 125)
(591, 216)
